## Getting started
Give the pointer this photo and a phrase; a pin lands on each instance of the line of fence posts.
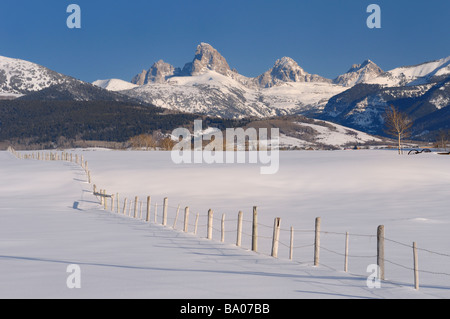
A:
(254, 236)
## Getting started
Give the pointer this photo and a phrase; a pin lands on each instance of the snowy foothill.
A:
(50, 219)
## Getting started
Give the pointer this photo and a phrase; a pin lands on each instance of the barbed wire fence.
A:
(303, 246)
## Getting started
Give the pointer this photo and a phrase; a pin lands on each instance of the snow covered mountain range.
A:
(422, 91)
(208, 85)
(19, 77)
(29, 81)
(358, 98)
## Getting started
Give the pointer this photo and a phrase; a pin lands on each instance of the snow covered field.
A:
(50, 219)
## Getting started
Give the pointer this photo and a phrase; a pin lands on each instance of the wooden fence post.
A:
(416, 266)
(255, 230)
(101, 197)
(164, 221)
(291, 245)
(222, 239)
(186, 220)
(196, 223)
(156, 212)
(124, 206)
(112, 202)
(276, 237)
(346, 253)
(176, 218)
(239, 229)
(136, 199)
(129, 208)
(317, 242)
(149, 202)
(210, 224)
(380, 251)
(135, 206)
(118, 203)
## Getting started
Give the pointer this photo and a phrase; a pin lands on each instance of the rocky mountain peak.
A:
(207, 58)
(359, 73)
(160, 72)
(287, 70)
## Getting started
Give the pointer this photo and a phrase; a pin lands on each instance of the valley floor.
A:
(50, 219)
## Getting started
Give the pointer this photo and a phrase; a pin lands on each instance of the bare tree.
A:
(143, 141)
(397, 124)
(442, 139)
(166, 143)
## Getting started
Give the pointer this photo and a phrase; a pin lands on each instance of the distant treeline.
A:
(52, 123)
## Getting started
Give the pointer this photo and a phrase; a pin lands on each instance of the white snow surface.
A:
(115, 85)
(50, 219)
(413, 75)
(218, 94)
(340, 135)
(19, 76)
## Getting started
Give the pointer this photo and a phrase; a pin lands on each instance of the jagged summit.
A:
(207, 58)
(287, 70)
(359, 73)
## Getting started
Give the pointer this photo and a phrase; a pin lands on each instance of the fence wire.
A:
(127, 207)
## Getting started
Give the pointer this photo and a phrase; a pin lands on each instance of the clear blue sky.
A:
(120, 38)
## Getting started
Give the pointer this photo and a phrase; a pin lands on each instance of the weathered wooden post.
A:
(156, 212)
(380, 251)
(186, 220)
(276, 237)
(129, 208)
(317, 242)
(149, 202)
(291, 245)
(197, 216)
(164, 221)
(136, 199)
(100, 193)
(124, 206)
(416, 266)
(239, 229)
(255, 229)
(346, 253)
(112, 203)
(210, 224)
(222, 238)
(176, 218)
(105, 202)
